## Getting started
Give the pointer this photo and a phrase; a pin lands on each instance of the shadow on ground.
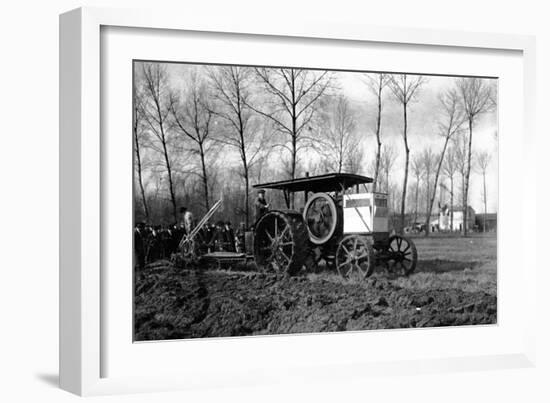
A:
(49, 379)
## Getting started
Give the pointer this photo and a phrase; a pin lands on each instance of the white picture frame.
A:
(82, 305)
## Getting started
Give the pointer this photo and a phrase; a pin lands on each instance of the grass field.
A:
(444, 262)
(469, 264)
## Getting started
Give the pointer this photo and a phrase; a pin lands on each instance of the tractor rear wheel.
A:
(355, 257)
(281, 242)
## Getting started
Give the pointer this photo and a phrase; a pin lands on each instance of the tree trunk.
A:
(204, 178)
(467, 182)
(140, 181)
(484, 202)
(246, 182)
(416, 202)
(452, 203)
(294, 136)
(246, 196)
(378, 142)
(245, 164)
(437, 172)
(170, 183)
(140, 178)
(407, 151)
(428, 213)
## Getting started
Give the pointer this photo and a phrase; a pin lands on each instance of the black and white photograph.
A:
(274, 200)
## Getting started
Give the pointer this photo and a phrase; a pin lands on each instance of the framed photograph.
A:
(238, 197)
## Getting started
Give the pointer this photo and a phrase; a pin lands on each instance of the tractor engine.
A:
(365, 213)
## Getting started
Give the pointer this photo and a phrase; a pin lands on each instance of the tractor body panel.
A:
(365, 213)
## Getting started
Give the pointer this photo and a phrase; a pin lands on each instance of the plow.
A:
(189, 244)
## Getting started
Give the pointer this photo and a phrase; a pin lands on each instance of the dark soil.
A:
(172, 303)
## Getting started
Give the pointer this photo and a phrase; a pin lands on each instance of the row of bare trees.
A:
(431, 173)
(185, 119)
(249, 110)
(461, 107)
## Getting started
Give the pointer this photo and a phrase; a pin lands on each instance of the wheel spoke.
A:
(284, 255)
(284, 232)
(363, 272)
(345, 249)
(275, 234)
(345, 263)
(269, 235)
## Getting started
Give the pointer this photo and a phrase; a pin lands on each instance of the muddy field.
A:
(454, 284)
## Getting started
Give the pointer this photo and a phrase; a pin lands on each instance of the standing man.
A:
(229, 237)
(240, 238)
(186, 219)
(260, 206)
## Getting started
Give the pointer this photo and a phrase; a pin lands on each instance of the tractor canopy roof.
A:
(320, 183)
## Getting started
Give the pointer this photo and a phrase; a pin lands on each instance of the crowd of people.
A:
(154, 242)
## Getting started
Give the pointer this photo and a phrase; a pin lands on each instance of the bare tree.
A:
(450, 124)
(417, 166)
(405, 89)
(477, 98)
(338, 140)
(483, 159)
(450, 169)
(428, 163)
(355, 160)
(156, 105)
(387, 159)
(231, 86)
(461, 154)
(376, 83)
(192, 115)
(293, 96)
(139, 139)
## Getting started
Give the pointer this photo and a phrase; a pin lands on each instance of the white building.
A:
(443, 222)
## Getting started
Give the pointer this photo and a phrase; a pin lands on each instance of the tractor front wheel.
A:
(355, 257)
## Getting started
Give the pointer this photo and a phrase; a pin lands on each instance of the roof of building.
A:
(320, 183)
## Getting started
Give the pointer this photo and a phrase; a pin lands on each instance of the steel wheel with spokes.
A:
(355, 257)
(402, 253)
(280, 242)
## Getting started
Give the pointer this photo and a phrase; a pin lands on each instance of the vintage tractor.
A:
(339, 224)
